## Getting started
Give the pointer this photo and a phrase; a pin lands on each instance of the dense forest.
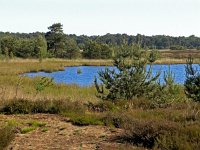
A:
(55, 43)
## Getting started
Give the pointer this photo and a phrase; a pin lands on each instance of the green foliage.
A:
(11, 55)
(106, 51)
(165, 94)
(23, 47)
(9, 44)
(1, 53)
(192, 82)
(6, 54)
(131, 78)
(177, 47)
(41, 47)
(36, 123)
(94, 50)
(26, 48)
(84, 119)
(27, 129)
(42, 83)
(79, 71)
(0, 48)
(32, 125)
(55, 38)
(70, 50)
(44, 130)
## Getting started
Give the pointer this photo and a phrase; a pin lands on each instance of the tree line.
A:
(55, 43)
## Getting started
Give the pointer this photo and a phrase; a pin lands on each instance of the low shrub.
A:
(19, 106)
(6, 136)
(101, 106)
(115, 119)
(23, 106)
(84, 119)
(138, 103)
(145, 132)
(177, 47)
(184, 138)
(31, 126)
(27, 129)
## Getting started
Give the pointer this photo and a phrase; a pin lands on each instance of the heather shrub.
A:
(23, 106)
(184, 138)
(6, 136)
(101, 106)
(145, 132)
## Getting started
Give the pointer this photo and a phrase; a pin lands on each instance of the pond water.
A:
(86, 77)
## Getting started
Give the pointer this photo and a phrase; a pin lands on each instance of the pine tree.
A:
(55, 38)
(192, 82)
(130, 78)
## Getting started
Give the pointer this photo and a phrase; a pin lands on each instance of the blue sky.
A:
(98, 17)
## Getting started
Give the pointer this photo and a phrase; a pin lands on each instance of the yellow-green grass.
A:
(12, 85)
(179, 54)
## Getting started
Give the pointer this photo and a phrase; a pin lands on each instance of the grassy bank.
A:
(12, 85)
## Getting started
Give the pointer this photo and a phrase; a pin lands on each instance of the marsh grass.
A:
(12, 85)
(10, 77)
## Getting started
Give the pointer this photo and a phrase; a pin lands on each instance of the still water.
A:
(86, 77)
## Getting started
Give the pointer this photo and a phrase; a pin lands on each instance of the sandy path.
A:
(62, 135)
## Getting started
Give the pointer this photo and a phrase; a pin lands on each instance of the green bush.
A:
(167, 93)
(84, 119)
(27, 129)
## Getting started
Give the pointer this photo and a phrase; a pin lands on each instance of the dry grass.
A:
(179, 54)
(12, 85)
